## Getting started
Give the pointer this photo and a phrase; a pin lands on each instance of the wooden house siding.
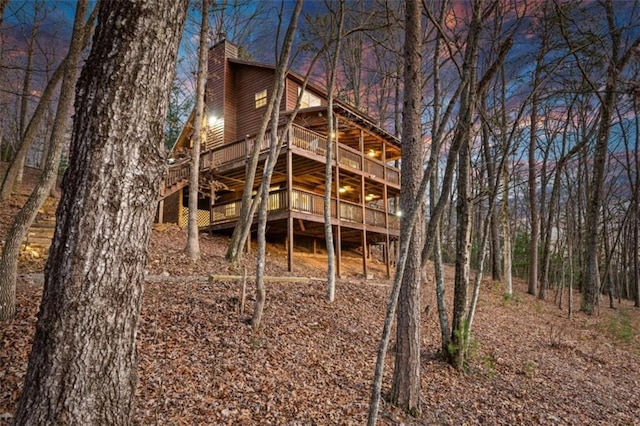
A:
(291, 96)
(248, 82)
(220, 88)
(230, 107)
(214, 95)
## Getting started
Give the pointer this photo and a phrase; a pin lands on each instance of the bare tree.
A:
(193, 244)
(27, 138)
(619, 55)
(249, 205)
(336, 30)
(405, 390)
(26, 215)
(408, 381)
(270, 163)
(82, 367)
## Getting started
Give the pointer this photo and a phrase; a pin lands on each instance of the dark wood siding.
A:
(220, 93)
(230, 106)
(214, 93)
(248, 82)
(292, 95)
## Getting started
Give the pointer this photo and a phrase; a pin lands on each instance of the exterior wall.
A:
(248, 82)
(292, 95)
(230, 106)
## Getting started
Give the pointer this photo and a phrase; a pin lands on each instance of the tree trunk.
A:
(270, 163)
(26, 86)
(405, 390)
(636, 207)
(506, 230)
(459, 325)
(533, 196)
(489, 159)
(438, 266)
(26, 215)
(328, 169)
(463, 251)
(438, 263)
(82, 367)
(193, 244)
(249, 205)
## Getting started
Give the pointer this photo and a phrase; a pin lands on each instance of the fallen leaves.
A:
(312, 361)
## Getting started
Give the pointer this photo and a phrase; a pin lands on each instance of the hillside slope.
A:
(312, 362)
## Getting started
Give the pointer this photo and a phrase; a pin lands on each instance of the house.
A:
(366, 179)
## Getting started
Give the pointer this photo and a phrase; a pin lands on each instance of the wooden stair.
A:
(177, 178)
(39, 236)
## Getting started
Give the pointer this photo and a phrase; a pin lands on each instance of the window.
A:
(308, 99)
(261, 98)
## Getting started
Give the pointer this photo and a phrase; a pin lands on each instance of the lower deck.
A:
(297, 218)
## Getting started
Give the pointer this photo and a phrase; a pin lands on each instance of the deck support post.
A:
(387, 257)
(290, 243)
(289, 206)
(338, 244)
(161, 211)
(365, 254)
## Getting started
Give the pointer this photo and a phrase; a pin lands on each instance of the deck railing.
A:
(311, 203)
(375, 217)
(307, 140)
(310, 141)
(373, 168)
(350, 157)
(350, 212)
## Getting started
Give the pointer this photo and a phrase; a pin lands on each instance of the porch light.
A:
(212, 120)
(342, 190)
(371, 153)
(399, 213)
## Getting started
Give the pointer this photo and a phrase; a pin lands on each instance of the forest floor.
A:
(312, 361)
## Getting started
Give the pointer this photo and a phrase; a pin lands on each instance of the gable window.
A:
(308, 99)
(261, 98)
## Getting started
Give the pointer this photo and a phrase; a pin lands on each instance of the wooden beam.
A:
(161, 211)
(387, 260)
(365, 269)
(289, 207)
(216, 277)
(290, 244)
(338, 241)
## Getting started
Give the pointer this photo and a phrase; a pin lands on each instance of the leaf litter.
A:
(312, 361)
